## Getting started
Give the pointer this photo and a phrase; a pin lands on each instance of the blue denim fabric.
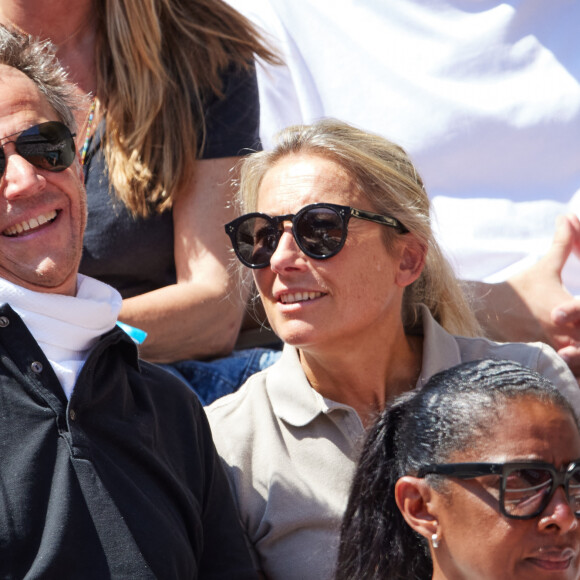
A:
(213, 379)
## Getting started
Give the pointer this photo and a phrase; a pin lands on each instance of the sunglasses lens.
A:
(256, 241)
(574, 490)
(320, 232)
(47, 146)
(526, 491)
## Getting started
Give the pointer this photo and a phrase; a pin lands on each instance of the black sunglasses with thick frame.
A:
(543, 478)
(320, 230)
(49, 146)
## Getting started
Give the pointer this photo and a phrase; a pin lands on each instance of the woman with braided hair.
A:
(475, 476)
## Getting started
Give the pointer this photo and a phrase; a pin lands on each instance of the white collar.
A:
(65, 327)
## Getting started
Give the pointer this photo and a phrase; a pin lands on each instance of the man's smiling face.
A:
(42, 213)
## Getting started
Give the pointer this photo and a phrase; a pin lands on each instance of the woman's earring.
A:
(435, 541)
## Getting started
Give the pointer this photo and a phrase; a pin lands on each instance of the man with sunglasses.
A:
(107, 466)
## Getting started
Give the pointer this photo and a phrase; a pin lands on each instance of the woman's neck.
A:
(70, 26)
(366, 379)
(58, 21)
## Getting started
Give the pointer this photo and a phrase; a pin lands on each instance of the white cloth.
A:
(66, 327)
(483, 94)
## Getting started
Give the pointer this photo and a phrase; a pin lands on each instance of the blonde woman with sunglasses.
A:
(335, 228)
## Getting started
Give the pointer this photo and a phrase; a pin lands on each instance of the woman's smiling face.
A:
(313, 302)
(476, 542)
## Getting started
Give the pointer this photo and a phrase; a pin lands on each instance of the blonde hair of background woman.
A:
(385, 175)
(155, 60)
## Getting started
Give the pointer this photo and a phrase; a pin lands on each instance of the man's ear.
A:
(411, 261)
(415, 500)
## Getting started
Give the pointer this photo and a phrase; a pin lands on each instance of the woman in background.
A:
(476, 476)
(169, 102)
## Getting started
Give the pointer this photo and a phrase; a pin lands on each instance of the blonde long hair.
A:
(384, 174)
(156, 61)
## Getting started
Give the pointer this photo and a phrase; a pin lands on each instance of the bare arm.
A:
(199, 316)
(535, 305)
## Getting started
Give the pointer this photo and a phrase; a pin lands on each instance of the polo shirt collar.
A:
(440, 349)
(297, 403)
(293, 399)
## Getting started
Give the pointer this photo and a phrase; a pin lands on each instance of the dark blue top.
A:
(135, 255)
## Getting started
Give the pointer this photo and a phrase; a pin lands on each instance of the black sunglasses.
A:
(48, 146)
(319, 230)
(526, 487)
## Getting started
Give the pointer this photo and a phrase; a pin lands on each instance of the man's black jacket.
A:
(122, 481)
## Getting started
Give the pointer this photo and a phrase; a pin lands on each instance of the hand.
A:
(542, 291)
(566, 318)
(535, 305)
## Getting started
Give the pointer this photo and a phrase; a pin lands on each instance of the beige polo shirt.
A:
(291, 454)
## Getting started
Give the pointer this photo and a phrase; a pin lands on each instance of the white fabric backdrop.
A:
(484, 95)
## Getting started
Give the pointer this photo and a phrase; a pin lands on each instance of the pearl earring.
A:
(435, 541)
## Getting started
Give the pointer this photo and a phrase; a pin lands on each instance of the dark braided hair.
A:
(457, 406)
